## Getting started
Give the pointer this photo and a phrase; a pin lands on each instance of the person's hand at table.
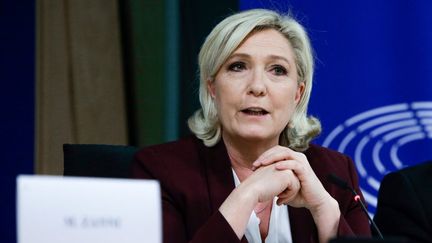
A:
(312, 194)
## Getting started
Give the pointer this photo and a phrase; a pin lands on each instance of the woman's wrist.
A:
(326, 217)
(329, 204)
(237, 209)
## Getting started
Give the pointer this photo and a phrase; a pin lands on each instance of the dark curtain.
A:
(197, 20)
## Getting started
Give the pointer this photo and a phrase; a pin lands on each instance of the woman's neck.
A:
(243, 153)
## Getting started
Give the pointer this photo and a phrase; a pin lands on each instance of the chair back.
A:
(98, 160)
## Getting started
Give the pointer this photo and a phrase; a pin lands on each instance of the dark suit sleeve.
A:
(399, 211)
(216, 229)
(353, 221)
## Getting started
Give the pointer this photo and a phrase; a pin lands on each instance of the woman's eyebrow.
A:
(271, 57)
(277, 57)
(239, 55)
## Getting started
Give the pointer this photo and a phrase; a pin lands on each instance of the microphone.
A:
(344, 185)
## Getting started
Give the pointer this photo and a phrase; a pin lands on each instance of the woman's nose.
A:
(257, 86)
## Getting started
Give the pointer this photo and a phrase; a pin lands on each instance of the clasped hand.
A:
(283, 172)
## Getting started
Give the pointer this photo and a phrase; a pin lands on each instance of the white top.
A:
(279, 227)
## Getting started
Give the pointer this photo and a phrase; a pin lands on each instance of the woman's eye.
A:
(279, 70)
(237, 66)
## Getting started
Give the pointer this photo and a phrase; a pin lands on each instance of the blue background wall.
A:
(373, 81)
(17, 77)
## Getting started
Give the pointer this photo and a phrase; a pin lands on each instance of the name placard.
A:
(54, 209)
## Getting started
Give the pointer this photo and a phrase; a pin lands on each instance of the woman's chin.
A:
(247, 133)
(258, 137)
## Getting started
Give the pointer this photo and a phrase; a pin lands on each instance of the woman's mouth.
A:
(255, 111)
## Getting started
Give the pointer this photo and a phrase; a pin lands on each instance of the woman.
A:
(249, 173)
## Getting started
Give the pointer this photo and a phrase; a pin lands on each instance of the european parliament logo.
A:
(382, 140)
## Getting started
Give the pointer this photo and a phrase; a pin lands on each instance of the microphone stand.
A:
(344, 185)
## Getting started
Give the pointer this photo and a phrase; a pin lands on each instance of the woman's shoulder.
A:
(317, 152)
(183, 149)
(170, 160)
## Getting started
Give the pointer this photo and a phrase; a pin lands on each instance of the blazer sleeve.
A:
(215, 229)
(353, 220)
(399, 211)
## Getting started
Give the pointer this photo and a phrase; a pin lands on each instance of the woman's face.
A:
(256, 89)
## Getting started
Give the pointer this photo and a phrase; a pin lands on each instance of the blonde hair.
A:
(223, 40)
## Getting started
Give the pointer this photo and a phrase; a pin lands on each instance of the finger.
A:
(268, 154)
(288, 193)
(286, 164)
(274, 154)
(283, 154)
(292, 189)
(283, 200)
(300, 169)
(286, 196)
(257, 163)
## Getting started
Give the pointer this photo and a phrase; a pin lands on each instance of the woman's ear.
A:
(211, 88)
(300, 91)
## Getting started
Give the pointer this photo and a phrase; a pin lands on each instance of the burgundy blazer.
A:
(195, 180)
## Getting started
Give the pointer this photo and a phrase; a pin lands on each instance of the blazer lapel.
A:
(219, 175)
(303, 228)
